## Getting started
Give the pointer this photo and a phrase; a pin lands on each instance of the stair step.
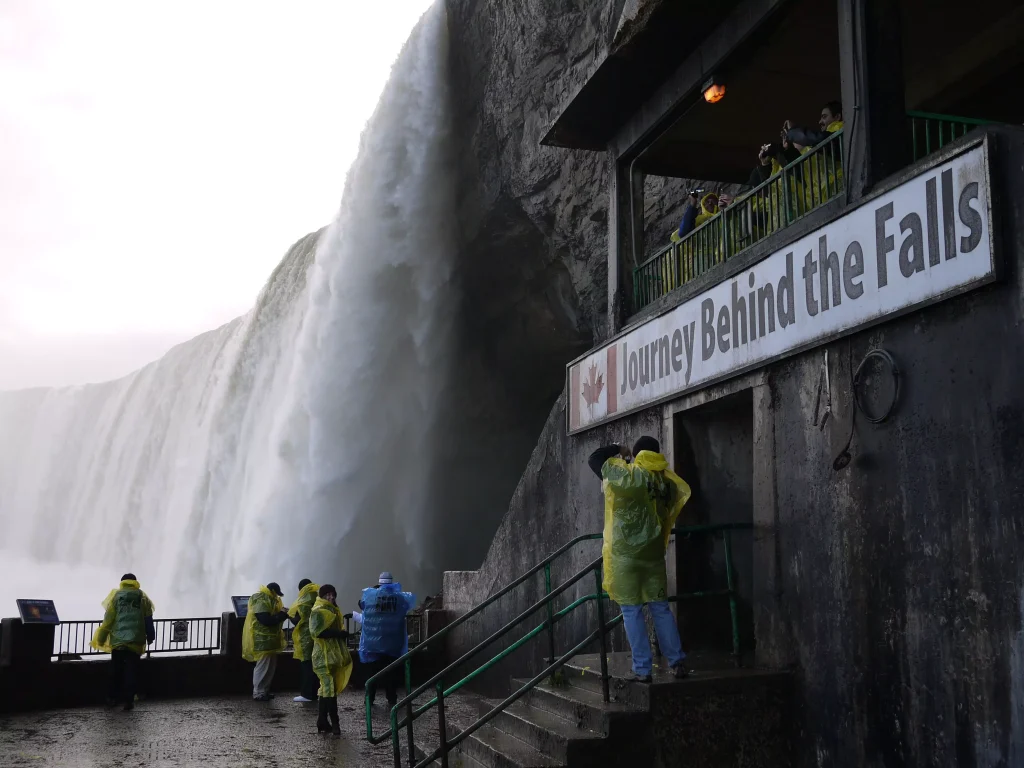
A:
(583, 708)
(545, 731)
(494, 748)
(456, 759)
(620, 690)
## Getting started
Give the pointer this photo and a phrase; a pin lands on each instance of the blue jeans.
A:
(664, 626)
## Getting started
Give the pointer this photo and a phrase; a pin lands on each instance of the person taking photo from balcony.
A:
(830, 121)
(699, 209)
(126, 630)
(263, 637)
(643, 498)
(302, 642)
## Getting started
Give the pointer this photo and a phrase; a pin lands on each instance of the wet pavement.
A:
(231, 732)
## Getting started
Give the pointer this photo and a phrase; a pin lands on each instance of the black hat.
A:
(304, 582)
(646, 443)
(129, 577)
(274, 587)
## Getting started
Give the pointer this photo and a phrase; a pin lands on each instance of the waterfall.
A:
(295, 441)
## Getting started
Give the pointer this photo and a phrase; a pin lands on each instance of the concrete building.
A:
(834, 359)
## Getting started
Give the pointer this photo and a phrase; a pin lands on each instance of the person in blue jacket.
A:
(384, 637)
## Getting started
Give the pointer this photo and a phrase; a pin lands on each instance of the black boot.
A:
(323, 708)
(335, 722)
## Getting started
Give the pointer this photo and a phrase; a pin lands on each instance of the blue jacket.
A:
(384, 631)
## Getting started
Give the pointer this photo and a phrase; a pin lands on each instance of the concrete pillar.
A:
(615, 241)
(875, 143)
(25, 645)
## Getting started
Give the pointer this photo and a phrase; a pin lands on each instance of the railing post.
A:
(732, 599)
(395, 738)
(409, 736)
(601, 635)
(785, 197)
(441, 727)
(551, 613)
(724, 237)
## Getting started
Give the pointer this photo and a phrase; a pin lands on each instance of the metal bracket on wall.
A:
(823, 379)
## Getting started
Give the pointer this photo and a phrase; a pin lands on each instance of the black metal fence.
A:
(72, 638)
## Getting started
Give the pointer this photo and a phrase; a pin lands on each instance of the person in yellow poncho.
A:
(126, 629)
(643, 498)
(331, 659)
(263, 637)
(302, 643)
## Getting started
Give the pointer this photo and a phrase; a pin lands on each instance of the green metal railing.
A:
(807, 183)
(930, 132)
(552, 617)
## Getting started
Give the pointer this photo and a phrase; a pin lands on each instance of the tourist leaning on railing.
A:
(830, 121)
(385, 634)
(818, 179)
(126, 629)
(263, 637)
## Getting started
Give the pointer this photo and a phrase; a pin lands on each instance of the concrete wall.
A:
(557, 499)
(894, 588)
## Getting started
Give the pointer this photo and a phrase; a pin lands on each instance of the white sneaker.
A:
(302, 700)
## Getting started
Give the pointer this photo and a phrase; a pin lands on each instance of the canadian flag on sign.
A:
(593, 394)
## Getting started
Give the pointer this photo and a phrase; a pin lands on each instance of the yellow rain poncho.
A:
(257, 640)
(125, 611)
(301, 640)
(641, 503)
(331, 659)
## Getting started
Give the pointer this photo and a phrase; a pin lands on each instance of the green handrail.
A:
(678, 263)
(437, 681)
(803, 185)
(928, 128)
(371, 683)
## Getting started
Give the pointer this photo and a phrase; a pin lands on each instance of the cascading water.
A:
(293, 442)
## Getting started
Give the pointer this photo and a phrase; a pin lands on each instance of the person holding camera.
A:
(642, 499)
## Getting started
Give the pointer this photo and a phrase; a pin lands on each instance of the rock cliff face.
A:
(533, 223)
(534, 227)
(534, 231)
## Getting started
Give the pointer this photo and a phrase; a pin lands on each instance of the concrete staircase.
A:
(568, 724)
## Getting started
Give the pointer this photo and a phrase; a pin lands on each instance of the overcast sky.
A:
(157, 158)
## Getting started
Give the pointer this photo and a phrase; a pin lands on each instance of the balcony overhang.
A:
(649, 50)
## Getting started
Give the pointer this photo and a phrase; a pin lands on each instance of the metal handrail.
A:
(437, 681)
(755, 216)
(406, 660)
(926, 126)
(803, 185)
(73, 638)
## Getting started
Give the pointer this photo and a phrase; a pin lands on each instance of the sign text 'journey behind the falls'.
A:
(928, 239)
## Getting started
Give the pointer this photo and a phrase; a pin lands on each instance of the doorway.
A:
(714, 453)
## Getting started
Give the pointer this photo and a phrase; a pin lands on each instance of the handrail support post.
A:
(408, 731)
(441, 726)
(550, 612)
(602, 639)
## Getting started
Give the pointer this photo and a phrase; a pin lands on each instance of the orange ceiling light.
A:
(713, 92)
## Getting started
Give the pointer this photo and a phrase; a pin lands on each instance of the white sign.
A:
(926, 240)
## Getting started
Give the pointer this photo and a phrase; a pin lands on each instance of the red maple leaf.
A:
(593, 386)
